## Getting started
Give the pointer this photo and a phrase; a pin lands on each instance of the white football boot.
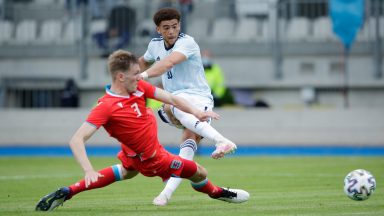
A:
(234, 195)
(222, 148)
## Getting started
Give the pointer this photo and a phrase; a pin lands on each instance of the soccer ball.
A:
(359, 184)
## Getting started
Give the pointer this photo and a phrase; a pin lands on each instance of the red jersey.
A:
(127, 119)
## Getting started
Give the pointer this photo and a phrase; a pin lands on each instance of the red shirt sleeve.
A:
(99, 115)
(149, 89)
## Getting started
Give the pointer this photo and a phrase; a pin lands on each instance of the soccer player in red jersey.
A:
(123, 114)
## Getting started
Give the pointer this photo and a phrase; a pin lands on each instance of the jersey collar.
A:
(137, 93)
(178, 37)
(109, 92)
(167, 49)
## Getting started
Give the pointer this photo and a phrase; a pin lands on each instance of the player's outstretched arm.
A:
(161, 66)
(144, 65)
(77, 145)
(183, 105)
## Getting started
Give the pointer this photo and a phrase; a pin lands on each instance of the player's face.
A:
(170, 30)
(131, 77)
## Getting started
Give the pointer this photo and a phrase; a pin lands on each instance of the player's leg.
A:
(188, 169)
(201, 183)
(187, 151)
(188, 147)
(110, 175)
(180, 119)
(191, 139)
(223, 145)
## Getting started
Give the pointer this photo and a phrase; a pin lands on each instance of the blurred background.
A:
(287, 77)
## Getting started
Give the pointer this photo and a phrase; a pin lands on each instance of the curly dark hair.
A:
(166, 14)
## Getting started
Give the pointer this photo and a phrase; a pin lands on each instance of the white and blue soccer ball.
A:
(359, 184)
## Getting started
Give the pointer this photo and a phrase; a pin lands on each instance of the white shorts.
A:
(200, 102)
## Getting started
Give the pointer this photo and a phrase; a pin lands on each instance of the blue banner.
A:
(347, 18)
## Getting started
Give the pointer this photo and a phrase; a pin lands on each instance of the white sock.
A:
(202, 128)
(187, 151)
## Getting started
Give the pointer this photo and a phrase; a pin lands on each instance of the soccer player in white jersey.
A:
(176, 57)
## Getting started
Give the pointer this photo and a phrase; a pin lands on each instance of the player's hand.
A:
(204, 116)
(144, 75)
(91, 177)
(141, 77)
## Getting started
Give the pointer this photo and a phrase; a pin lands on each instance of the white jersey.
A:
(186, 77)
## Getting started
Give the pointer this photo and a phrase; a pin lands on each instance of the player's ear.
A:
(120, 76)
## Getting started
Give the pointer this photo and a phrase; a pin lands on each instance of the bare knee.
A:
(200, 174)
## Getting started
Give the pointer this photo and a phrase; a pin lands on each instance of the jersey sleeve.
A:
(148, 57)
(149, 89)
(186, 46)
(99, 115)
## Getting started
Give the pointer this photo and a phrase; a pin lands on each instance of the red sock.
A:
(208, 188)
(111, 174)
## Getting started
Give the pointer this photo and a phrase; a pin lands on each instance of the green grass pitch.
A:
(278, 186)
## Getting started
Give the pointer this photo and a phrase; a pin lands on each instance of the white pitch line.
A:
(296, 175)
(291, 174)
(24, 177)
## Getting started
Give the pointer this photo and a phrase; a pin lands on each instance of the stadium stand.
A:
(51, 32)
(246, 29)
(145, 30)
(71, 32)
(26, 32)
(223, 29)
(298, 29)
(199, 28)
(99, 25)
(322, 30)
(264, 33)
(372, 25)
(368, 31)
(6, 31)
(251, 8)
(310, 53)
